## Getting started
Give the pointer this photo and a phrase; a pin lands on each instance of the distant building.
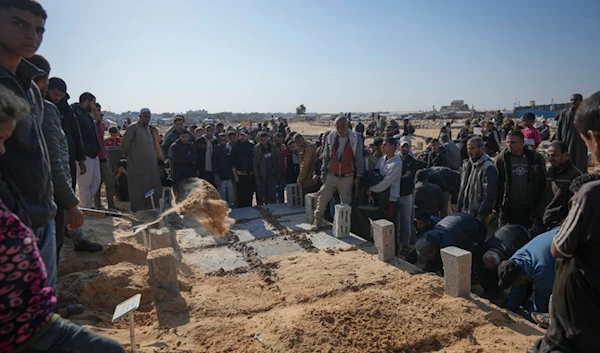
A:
(455, 106)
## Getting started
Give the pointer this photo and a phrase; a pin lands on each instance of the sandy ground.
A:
(328, 301)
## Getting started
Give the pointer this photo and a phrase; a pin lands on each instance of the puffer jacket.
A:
(58, 152)
(536, 178)
(25, 163)
(260, 170)
(478, 187)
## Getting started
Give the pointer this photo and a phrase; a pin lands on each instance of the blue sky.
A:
(331, 55)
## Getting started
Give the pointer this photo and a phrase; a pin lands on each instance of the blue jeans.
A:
(65, 336)
(404, 221)
(47, 246)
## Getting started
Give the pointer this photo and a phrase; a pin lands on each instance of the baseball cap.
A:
(405, 141)
(508, 272)
(244, 132)
(145, 110)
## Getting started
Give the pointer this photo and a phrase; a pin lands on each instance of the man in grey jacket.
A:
(453, 153)
(479, 182)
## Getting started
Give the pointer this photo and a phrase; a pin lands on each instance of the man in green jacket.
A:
(521, 182)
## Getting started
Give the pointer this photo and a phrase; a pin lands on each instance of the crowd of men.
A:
(449, 194)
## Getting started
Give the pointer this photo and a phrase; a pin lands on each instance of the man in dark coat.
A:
(505, 242)
(461, 230)
(566, 131)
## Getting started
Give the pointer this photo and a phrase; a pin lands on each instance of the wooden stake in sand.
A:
(128, 307)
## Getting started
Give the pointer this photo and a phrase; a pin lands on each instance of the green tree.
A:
(301, 110)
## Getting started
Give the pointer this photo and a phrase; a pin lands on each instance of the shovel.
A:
(108, 213)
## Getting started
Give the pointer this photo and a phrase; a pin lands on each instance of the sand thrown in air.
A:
(204, 203)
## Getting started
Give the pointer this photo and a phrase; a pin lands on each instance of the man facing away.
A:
(521, 180)
(142, 166)
(479, 182)
(342, 167)
(452, 152)
(429, 196)
(566, 132)
(90, 181)
(574, 326)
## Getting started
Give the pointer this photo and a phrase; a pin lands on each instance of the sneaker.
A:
(86, 245)
(542, 319)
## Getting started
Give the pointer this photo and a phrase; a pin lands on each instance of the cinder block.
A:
(162, 269)
(384, 237)
(341, 221)
(160, 238)
(457, 271)
(310, 205)
(294, 195)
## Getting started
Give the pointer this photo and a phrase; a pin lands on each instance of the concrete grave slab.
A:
(244, 213)
(211, 260)
(457, 271)
(189, 240)
(282, 209)
(295, 223)
(324, 240)
(253, 230)
(274, 247)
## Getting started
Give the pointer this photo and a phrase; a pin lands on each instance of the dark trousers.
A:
(61, 222)
(281, 191)
(73, 167)
(266, 191)
(511, 215)
(208, 177)
(179, 182)
(245, 190)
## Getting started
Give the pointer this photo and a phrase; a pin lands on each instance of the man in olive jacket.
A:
(308, 163)
(521, 182)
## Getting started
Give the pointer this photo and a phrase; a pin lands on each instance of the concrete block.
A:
(162, 269)
(310, 205)
(323, 240)
(189, 240)
(457, 271)
(384, 236)
(294, 196)
(341, 220)
(273, 247)
(295, 223)
(244, 213)
(281, 209)
(160, 238)
(255, 229)
(212, 260)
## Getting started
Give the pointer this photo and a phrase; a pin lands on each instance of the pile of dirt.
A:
(318, 301)
(205, 205)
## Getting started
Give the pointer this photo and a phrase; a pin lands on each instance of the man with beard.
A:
(566, 132)
(241, 164)
(173, 135)
(90, 181)
(142, 165)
